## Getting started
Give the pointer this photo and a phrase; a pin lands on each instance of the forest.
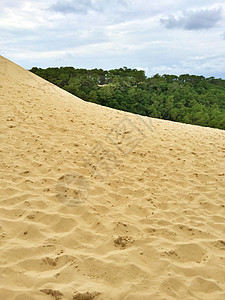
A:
(186, 98)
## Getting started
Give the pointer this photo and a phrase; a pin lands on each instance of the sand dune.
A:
(101, 204)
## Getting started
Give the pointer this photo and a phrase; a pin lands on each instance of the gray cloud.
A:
(77, 6)
(82, 7)
(193, 20)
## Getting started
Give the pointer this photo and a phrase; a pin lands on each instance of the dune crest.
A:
(102, 204)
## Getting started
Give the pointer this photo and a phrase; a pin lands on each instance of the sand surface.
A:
(101, 204)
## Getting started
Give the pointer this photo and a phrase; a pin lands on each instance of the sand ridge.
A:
(102, 204)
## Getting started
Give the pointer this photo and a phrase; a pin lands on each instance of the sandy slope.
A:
(100, 204)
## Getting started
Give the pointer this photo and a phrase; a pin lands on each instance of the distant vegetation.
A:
(185, 98)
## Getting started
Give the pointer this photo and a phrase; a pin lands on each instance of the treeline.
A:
(186, 98)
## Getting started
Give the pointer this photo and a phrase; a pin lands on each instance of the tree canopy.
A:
(186, 98)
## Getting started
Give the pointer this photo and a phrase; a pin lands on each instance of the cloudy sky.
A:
(164, 36)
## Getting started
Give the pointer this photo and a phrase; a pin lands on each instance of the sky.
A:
(164, 36)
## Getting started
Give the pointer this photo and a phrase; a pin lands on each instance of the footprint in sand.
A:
(72, 189)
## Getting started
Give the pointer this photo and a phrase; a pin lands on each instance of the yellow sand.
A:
(97, 203)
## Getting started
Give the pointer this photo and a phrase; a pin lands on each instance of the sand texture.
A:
(102, 204)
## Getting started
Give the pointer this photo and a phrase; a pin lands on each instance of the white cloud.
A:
(115, 33)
